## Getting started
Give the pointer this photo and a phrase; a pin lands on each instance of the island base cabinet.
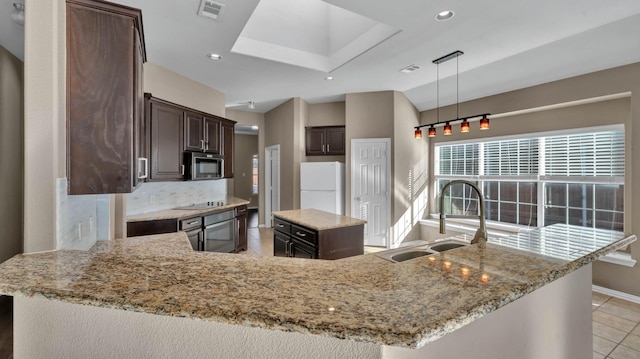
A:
(553, 322)
(292, 240)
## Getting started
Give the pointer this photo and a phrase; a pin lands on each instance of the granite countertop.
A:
(230, 202)
(363, 298)
(318, 220)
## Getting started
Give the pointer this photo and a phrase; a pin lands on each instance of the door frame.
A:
(387, 142)
(268, 154)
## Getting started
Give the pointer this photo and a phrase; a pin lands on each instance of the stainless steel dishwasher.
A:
(220, 232)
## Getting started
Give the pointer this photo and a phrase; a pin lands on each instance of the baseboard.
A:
(617, 294)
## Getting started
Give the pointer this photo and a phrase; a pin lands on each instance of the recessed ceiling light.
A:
(214, 56)
(329, 78)
(444, 15)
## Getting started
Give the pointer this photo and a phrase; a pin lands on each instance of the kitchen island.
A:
(138, 298)
(311, 233)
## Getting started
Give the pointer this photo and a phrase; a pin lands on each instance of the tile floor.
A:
(616, 328)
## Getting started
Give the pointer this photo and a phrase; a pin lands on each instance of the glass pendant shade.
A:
(447, 129)
(484, 123)
(432, 131)
(464, 126)
(418, 133)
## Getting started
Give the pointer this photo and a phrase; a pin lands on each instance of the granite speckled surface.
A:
(318, 220)
(230, 202)
(364, 298)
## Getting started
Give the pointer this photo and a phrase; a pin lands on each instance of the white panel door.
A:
(370, 188)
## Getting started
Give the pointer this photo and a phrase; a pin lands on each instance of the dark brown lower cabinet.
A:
(145, 228)
(293, 240)
(242, 221)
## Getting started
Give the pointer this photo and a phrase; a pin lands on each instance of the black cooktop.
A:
(204, 205)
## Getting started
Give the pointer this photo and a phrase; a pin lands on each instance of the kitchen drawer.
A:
(281, 226)
(304, 234)
(191, 223)
(241, 211)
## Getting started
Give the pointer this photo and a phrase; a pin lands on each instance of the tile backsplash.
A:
(76, 218)
(155, 196)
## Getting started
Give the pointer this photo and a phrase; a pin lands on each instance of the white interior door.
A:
(272, 182)
(370, 188)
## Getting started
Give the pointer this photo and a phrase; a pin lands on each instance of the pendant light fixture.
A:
(484, 123)
(432, 131)
(464, 125)
(447, 129)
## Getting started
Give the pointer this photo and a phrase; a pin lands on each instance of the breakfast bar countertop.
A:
(228, 203)
(363, 298)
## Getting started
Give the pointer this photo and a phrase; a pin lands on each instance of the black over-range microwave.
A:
(202, 166)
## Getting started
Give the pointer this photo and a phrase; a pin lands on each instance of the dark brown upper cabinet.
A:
(228, 134)
(325, 141)
(166, 141)
(201, 133)
(105, 133)
(175, 129)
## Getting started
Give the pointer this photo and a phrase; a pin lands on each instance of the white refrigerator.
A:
(322, 186)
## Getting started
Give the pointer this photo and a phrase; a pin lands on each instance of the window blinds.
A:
(595, 154)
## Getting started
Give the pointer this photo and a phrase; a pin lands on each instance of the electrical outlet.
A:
(152, 199)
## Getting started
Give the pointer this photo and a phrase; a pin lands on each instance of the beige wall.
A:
(409, 172)
(11, 154)
(368, 115)
(44, 121)
(327, 114)
(245, 147)
(280, 130)
(246, 118)
(620, 81)
(173, 87)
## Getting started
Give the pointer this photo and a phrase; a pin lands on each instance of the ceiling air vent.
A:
(210, 9)
(409, 69)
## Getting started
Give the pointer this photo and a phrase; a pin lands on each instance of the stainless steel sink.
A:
(445, 246)
(410, 254)
(416, 251)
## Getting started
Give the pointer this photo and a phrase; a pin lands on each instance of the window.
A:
(254, 174)
(538, 181)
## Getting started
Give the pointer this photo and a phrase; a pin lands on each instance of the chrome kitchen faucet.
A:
(481, 233)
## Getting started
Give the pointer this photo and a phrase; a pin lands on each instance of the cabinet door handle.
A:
(206, 146)
(286, 248)
(280, 225)
(194, 222)
(300, 234)
(145, 165)
(328, 148)
(202, 145)
(182, 170)
(323, 148)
